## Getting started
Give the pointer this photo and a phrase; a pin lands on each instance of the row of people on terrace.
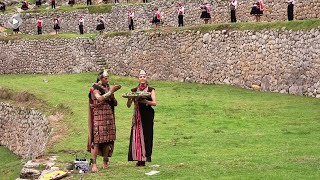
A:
(257, 11)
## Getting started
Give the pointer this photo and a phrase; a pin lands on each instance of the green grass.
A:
(258, 26)
(10, 164)
(47, 36)
(95, 9)
(201, 131)
(120, 33)
(9, 10)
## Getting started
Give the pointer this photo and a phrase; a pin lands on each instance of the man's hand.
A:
(111, 97)
(115, 88)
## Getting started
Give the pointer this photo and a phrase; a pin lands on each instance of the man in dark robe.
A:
(101, 121)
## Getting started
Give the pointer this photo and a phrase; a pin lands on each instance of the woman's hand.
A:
(144, 101)
(130, 100)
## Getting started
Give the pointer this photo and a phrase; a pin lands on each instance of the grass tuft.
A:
(97, 9)
(114, 34)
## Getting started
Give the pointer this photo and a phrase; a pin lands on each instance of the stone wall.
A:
(117, 19)
(48, 56)
(23, 131)
(279, 60)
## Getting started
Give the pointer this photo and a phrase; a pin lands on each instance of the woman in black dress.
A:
(101, 23)
(141, 138)
(206, 12)
(16, 30)
(25, 5)
(257, 10)
(56, 24)
(156, 17)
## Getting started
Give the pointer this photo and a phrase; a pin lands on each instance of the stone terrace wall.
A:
(48, 56)
(278, 61)
(117, 19)
(23, 131)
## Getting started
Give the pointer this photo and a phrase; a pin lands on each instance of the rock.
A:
(187, 79)
(283, 91)
(189, 49)
(265, 83)
(256, 87)
(54, 168)
(206, 38)
(29, 173)
(182, 49)
(49, 165)
(226, 81)
(296, 90)
(31, 164)
(224, 31)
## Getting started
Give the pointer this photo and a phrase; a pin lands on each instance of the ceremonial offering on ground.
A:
(139, 94)
(54, 175)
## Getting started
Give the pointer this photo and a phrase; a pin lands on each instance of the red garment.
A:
(208, 8)
(39, 23)
(142, 86)
(130, 14)
(158, 14)
(260, 6)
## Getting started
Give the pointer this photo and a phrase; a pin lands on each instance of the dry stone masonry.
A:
(278, 61)
(24, 131)
(282, 61)
(48, 56)
(117, 19)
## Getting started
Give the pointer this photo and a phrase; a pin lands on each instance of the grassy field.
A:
(10, 164)
(201, 131)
